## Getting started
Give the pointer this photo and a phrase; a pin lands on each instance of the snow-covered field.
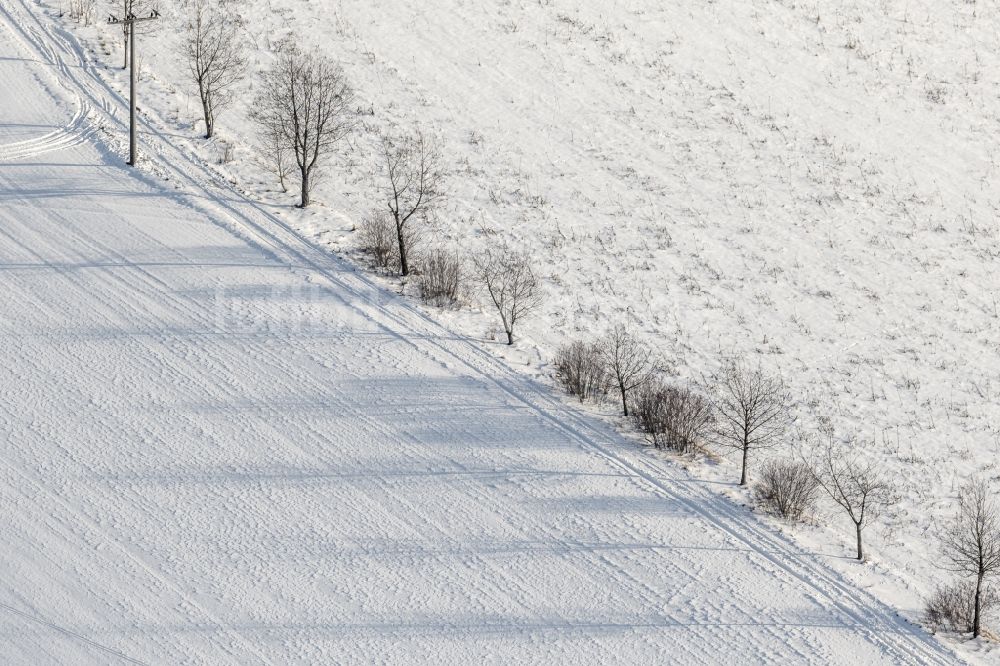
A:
(223, 444)
(811, 185)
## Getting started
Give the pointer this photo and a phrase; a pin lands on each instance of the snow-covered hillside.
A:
(223, 445)
(808, 184)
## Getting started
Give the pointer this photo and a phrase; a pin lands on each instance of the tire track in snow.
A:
(78, 130)
(72, 634)
(126, 550)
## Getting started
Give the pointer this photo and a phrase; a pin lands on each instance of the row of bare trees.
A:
(745, 410)
(304, 109)
(750, 410)
(742, 409)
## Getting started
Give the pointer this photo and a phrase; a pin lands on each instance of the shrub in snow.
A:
(440, 277)
(378, 238)
(581, 370)
(788, 489)
(952, 607)
(647, 410)
(673, 417)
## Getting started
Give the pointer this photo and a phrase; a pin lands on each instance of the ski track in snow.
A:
(225, 446)
(75, 133)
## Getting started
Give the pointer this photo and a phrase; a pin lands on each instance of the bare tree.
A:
(629, 362)
(215, 55)
(858, 487)
(304, 105)
(972, 544)
(378, 238)
(441, 278)
(414, 183)
(511, 283)
(752, 411)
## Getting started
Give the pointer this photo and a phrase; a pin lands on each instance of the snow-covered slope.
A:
(808, 184)
(223, 445)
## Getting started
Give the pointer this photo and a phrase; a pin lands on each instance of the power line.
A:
(130, 20)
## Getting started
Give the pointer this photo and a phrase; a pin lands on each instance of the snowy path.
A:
(223, 446)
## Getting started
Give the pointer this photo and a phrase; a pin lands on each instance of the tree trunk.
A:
(125, 65)
(976, 628)
(624, 401)
(209, 121)
(861, 552)
(305, 189)
(404, 266)
(510, 337)
(743, 467)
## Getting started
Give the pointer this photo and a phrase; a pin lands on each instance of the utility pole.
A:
(130, 20)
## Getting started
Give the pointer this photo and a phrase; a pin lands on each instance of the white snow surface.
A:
(224, 444)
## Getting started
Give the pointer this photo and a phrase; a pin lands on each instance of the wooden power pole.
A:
(130, 21)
